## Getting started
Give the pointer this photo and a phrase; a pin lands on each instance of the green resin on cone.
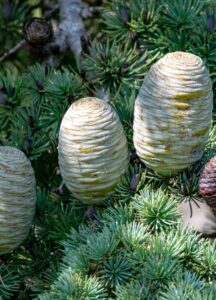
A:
(17, 198)
(173, 113)
(93, 151)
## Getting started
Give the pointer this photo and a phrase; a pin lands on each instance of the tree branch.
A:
(48, 13)
(70, 33)
(12, 50)
(22, 42)
(71, 28)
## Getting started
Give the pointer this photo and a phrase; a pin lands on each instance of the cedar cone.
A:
(176, 93)
(37, 31)
(92, 151)
(207, 184)
(17, 198)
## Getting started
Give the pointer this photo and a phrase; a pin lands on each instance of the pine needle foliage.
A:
(186, 285)
(132, 20)
(34, 107)
(72, 286)
(157, 209)
(181, 13)
(134, 291)
(12, 16)
(9, 282)
(112, 65)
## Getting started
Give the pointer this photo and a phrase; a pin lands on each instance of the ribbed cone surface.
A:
(17, 198)
(207, 183)
(173, 112)
(93, 151)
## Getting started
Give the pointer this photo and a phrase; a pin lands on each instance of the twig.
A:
(22, 42)
(12, 50)
(48, 13)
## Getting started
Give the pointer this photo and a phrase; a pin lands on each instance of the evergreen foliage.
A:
(134, 245)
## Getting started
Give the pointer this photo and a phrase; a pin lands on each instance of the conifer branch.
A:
(48, 13)
(71, 31)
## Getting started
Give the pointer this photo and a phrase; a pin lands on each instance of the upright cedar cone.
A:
(207, 183)
(173, 112)
(17, 198)
(93, 151)
(37, 31)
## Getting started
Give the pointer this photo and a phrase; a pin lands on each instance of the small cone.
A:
(207, 184)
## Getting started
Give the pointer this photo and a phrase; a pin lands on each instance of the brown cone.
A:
(37, 31)
(207, 183)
